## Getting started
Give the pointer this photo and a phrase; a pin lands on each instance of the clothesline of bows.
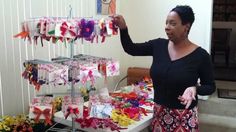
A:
(84, 68)
(67, 30)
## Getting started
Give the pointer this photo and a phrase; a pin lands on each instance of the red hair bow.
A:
(38, 112)
(65, 28)
(71, 110)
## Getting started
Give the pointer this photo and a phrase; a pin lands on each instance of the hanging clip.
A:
(70, 12)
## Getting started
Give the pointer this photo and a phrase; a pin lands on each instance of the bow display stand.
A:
(65, 70)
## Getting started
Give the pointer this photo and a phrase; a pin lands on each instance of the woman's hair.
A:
(186, 14)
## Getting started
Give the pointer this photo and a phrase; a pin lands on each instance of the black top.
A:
(171, 78)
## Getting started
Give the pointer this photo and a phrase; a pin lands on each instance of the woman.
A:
(177, 65)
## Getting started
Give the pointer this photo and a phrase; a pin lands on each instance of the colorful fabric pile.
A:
(126, 108)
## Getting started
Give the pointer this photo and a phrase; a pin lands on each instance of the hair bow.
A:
(66, 28)
(71, 110)
(46, 112)
(86, 29)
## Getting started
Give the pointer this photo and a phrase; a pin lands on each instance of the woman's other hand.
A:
(188, 96)
(119, 21)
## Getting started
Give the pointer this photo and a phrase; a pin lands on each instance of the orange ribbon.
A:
(38, 112)
(22, 34)
(131, 95)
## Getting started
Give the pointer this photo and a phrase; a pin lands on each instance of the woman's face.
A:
(175, 30)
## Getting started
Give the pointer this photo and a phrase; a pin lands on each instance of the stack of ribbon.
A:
(127, 108)
(129, 103)
(41, 109)
(67, 30)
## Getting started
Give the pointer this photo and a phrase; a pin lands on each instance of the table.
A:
(137, 126)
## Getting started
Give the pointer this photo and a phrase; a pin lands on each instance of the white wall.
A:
(146, 20)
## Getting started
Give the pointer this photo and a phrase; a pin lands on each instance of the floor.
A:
(218, 114)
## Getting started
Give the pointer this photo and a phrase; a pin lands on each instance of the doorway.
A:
(223, 47)
(223, 44)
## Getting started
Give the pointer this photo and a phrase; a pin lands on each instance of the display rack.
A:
(25, 34)
(70, 73)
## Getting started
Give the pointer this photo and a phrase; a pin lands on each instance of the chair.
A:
(134, 75)
(221, 43)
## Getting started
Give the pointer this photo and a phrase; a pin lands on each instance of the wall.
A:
(146, 20)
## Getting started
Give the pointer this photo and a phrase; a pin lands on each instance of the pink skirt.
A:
(174, 120)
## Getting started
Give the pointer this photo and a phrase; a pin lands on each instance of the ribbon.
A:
(143, 111)
(99, 123)
(102, 69)
(134, 113)
(113, 27)
(86, 29)
(52, 32)
(87, 75)
(112, 69)
(95, 123)
(38, 112)
(127, 96)
(91, 76)
(59, 77)
(31, 74)
(147, 103)
(134, 102)
(71, 110)
(36, 39)
(37, 85)
(25, 32)
(65, 28)
(42, 26)
(121, 119)
(103, 31)
(22, 34)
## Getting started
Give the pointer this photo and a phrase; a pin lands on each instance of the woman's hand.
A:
(119, 21)
(188, 96)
